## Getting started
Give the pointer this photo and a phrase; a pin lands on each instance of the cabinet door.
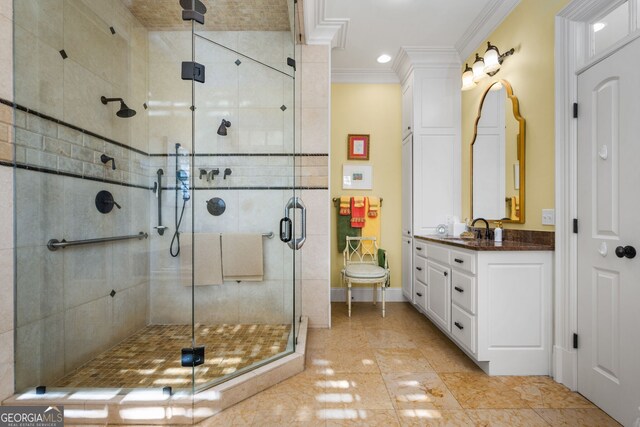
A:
(439, 294)
(407, 273)
(407, 108)
(407, 186)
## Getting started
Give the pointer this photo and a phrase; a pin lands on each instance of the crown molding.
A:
(410, 58)
(363, 75)
(318, 29)
(485, 23)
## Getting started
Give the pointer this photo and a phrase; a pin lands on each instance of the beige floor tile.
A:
(506, 418)
(388, 338)
(577, 417)
(299, 417)
(544, 392)
(338, 361)
(419, 391)
(347, 339)
(356, 391)
(480, 391)
(361, 417)
(445, 357)
(433, 417)
(402, 360)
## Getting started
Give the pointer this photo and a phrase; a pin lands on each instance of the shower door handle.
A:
(296, 203)
(285, 229)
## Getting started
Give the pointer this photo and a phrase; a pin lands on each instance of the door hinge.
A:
(575, 225)
(575, 340)
(193, 71)
(575, 110)
(291, 63)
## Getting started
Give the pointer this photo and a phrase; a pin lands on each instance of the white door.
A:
(608, 207)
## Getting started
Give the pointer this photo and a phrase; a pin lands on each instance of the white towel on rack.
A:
(207, 259)
(242, 258)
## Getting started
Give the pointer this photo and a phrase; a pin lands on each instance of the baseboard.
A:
(565, 367)
(366, 295)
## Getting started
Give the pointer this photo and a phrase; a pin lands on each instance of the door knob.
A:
(626, 251)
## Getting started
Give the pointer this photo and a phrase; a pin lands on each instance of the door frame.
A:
(573, 45)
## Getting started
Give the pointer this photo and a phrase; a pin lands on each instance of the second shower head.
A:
(222, 129)
(125, 112)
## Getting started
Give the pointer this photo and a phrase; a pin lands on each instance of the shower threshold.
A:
(89, 398)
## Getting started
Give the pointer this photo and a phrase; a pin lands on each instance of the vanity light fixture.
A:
(483, 66)
(384, 58)
(467, 78)
(493, 59)
(478, 69)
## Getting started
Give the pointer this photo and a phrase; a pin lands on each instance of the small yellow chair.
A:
(361, 265)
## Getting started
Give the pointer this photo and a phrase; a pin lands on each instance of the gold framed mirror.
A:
(498, 157)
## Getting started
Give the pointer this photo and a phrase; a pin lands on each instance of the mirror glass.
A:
(497, 157)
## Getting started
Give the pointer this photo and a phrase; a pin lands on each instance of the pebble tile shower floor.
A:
(151, 357)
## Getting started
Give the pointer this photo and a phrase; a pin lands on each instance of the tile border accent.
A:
(70, 126)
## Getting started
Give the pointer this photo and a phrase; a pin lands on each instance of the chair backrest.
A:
(361, 250)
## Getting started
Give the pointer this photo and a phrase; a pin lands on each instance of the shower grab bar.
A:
(54, 244)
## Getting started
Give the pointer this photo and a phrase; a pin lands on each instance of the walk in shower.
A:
(157, 207)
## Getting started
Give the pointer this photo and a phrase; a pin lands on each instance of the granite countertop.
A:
(487, 245)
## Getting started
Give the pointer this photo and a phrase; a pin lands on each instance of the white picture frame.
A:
(357, 177)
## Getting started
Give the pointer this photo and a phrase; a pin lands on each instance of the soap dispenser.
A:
(497, 233)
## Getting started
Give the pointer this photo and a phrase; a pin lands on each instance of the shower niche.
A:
(117, 314)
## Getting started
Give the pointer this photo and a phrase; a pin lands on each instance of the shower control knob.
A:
(626, 251)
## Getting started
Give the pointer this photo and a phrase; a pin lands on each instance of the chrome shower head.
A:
(124, 111)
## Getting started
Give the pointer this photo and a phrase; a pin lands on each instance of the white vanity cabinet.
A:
(494, 304)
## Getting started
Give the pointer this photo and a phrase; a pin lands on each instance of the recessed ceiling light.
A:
(598, 26)
(383, 59)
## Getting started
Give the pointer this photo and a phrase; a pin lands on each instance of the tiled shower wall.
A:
(6, 207)
(65, 311)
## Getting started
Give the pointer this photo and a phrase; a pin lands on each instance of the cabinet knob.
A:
(419, 268)
(419, 294)
(446, 274)
(459, 289)
(458, 325)
(418, 248)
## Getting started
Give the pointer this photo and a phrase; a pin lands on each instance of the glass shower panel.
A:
(82, 173)
(244, 177)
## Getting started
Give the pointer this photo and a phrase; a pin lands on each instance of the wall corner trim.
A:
(319, 29)
(489, 18)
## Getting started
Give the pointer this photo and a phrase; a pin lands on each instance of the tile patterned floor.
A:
(151, 357)
(401, 371)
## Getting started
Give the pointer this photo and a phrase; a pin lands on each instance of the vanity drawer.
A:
(463, 328)
(438, 253)
(463, 261)
(463, 291)
(420, 268)
(420, 294)
(421, 249)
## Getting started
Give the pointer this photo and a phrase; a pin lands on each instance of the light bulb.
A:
(467, 79)
(478, 69)
(491, 59)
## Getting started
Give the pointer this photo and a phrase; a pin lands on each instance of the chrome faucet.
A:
(487, 231)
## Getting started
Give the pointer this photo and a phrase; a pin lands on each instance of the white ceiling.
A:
(375, 27)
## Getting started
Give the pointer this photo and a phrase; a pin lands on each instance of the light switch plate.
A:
(548, 216)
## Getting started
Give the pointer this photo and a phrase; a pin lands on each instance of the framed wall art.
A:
(358, 147)
(356, 177)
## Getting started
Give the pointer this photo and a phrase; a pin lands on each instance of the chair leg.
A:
(349, 297)
(383, 299)
(375, 293)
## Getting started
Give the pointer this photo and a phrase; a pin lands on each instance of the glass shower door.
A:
(243, 190)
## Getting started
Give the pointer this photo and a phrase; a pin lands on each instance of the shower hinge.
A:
(193, 71)
(192, 15)
(192, 356)
(291, 63)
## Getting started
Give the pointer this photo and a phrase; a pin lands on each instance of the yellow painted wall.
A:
(373, 109)
(530, 30)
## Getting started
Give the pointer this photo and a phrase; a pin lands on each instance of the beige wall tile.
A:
(315, 302)
(6, 208)
(6, 290)
(315, 86)
(6, 364)
(315, 53)
(6, 57)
